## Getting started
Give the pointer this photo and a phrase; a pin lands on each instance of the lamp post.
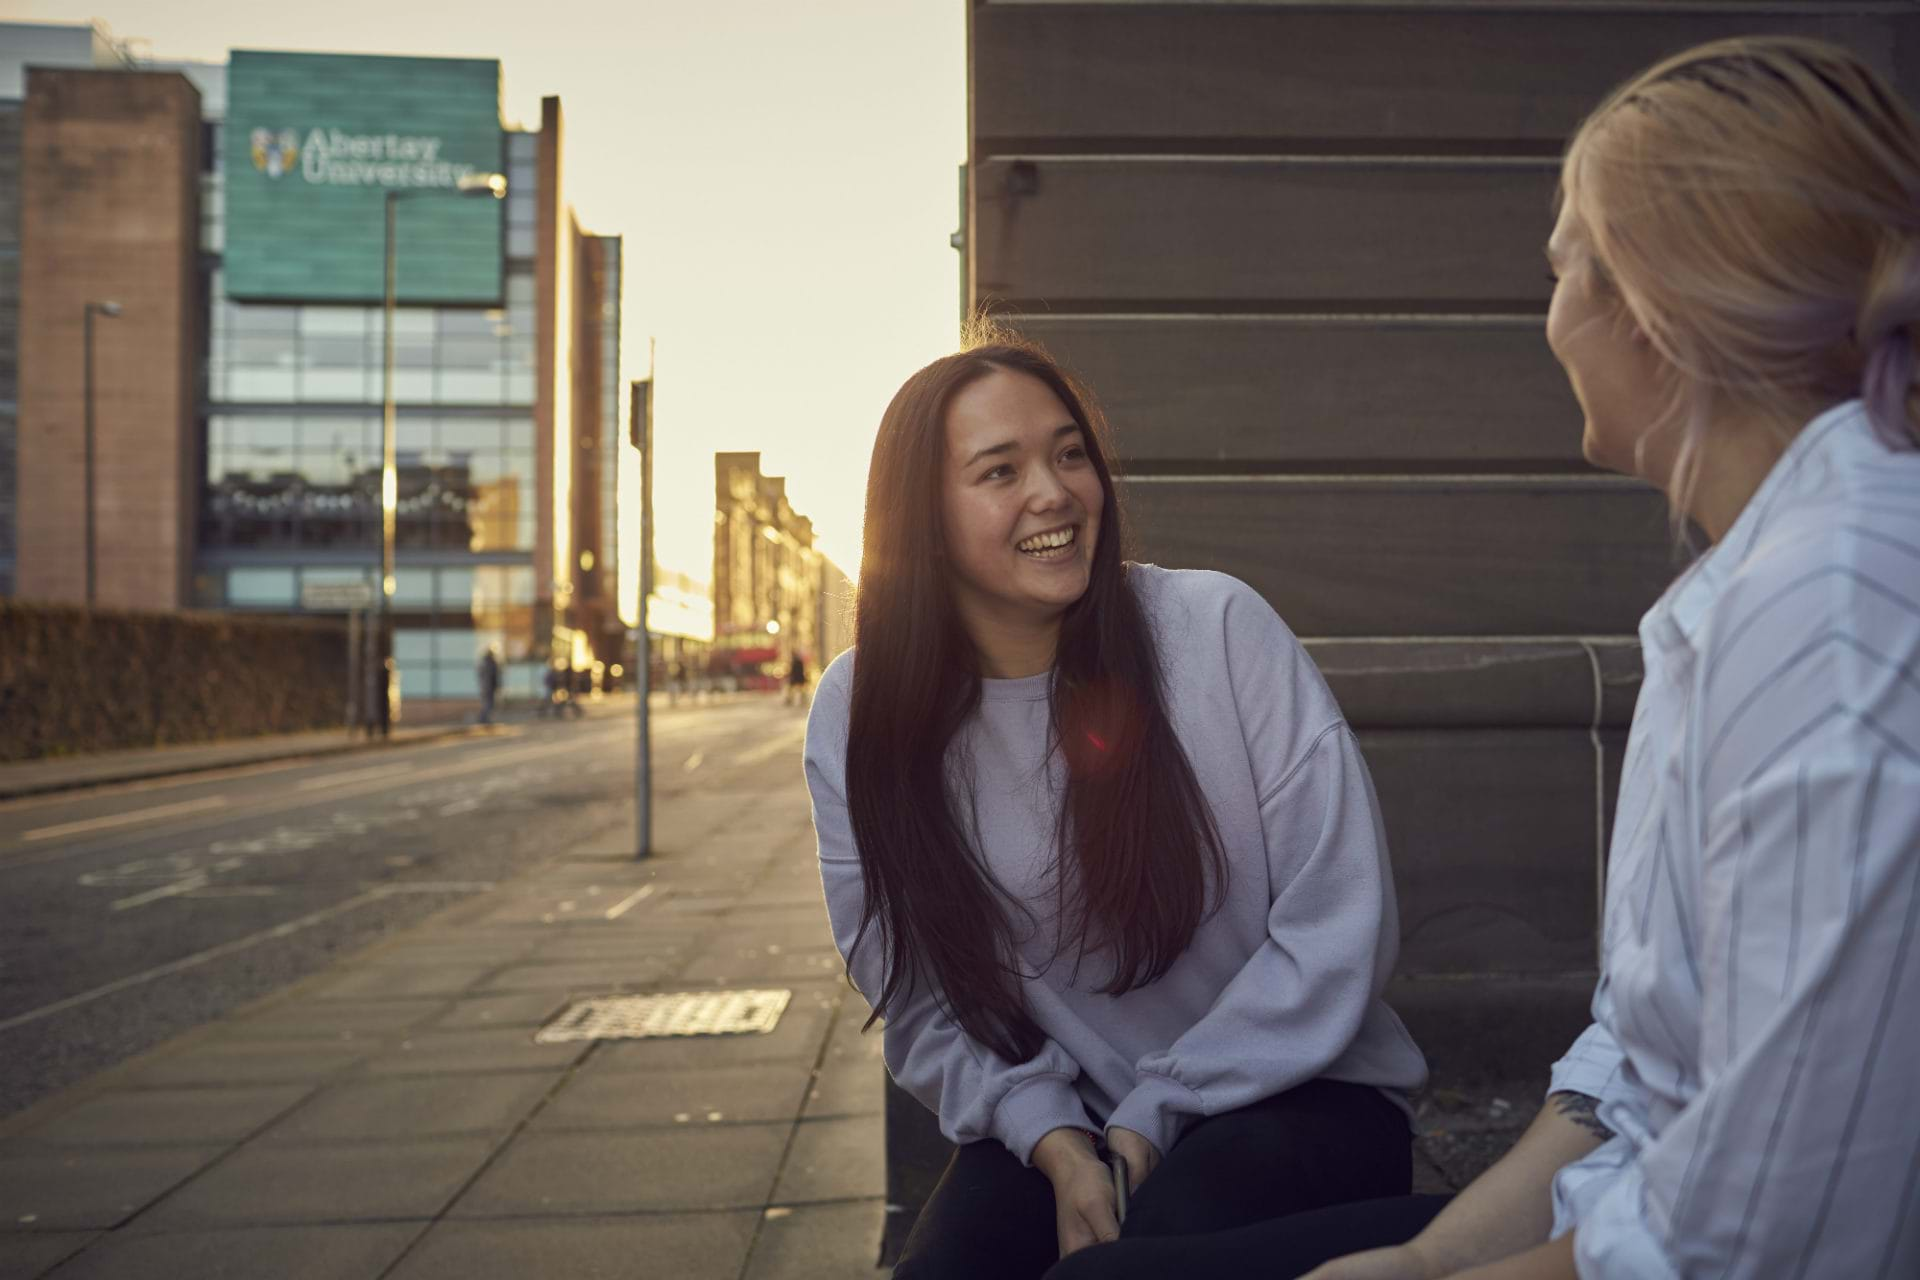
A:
(489, 186)
(109, 310)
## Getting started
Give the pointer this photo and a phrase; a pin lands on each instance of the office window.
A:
(261, 588)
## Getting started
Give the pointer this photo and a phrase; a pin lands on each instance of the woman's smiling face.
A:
(1021, 502)
(1616, 374)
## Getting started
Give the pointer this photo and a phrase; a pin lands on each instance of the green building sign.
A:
(314, 142)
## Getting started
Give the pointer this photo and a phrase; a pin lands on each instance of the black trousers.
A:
(1278, 1249)
(1324, 1143)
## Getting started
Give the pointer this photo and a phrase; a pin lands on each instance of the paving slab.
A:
(291, 1184)
(442, 948)
(819, 1242)
(421, 977)
(391, 1109)
(691, 906)
(304, 1018)
(605, 872)
(769, 1092)
(761, 964)
(76, 1189)
(808, 929)
(247, 1062)
(833, 1160)
(703, 1166)
(580, 977)
(529, 1009)
(126, 1117)
(351, 1252)
(26, 1255)
(707, 1246)
(454, 1053)
(847, 1083)
(581, 946)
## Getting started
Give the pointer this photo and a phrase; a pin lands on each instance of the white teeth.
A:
(1048, 541)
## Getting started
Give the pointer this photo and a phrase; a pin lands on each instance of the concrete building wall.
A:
(552, 374)
(110, 182)
(9, 333)
(597, 437)
(1296, 251)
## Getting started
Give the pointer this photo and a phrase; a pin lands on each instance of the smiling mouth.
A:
(1057, 544)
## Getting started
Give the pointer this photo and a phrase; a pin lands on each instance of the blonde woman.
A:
(1737, 306)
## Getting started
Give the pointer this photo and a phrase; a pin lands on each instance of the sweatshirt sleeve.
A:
(1298, 1003)
(975, 1093)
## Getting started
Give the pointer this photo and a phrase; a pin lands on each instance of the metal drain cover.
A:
(682, 1013)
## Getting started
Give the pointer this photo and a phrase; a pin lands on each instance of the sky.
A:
(785, 174)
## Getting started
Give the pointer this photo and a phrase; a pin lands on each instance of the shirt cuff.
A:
(1615, 1239)
(1591, 1066)
(1159, 1109)
(1034, 1108)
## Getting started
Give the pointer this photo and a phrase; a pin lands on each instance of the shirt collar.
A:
(1677, 616)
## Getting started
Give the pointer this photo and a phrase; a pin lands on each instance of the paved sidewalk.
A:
(393, 1117)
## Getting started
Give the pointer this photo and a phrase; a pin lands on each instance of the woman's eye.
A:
(998, 473)
(1075, 453)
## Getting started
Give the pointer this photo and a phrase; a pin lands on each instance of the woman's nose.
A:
(1047, 491)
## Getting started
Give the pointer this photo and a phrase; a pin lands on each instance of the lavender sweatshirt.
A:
(1279, 987)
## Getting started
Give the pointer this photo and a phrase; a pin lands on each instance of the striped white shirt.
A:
(1756, 1037)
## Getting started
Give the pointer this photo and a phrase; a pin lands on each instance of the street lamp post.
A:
(109, 310)
(490, 186)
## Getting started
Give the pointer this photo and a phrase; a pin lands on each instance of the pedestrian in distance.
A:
(1737, 304)
(795, 694)
(551, 684)
(1098, 845)
(489, 672)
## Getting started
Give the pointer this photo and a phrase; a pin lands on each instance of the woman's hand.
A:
(1142, 1156)
(1082, 1189)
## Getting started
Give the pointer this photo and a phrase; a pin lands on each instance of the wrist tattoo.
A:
(1579, 1108)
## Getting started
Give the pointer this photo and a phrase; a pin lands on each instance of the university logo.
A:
(274, 153)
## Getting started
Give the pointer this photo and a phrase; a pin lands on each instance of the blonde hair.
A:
(1756, 204)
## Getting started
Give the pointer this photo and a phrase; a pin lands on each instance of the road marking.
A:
(12, 860)
(173, 890)
(695, 760)
(126, 819)
(459, 806)
(357, 775)
(626, 904)
(191, 962)
(241, 944)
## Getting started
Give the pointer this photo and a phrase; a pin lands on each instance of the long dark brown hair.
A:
(1136, 848)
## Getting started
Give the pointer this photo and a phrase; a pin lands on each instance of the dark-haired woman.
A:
(1099, 848)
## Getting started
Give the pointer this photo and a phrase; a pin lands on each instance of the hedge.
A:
(77, 680)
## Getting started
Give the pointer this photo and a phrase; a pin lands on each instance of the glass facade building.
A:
(292, 454)
(262, 321)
